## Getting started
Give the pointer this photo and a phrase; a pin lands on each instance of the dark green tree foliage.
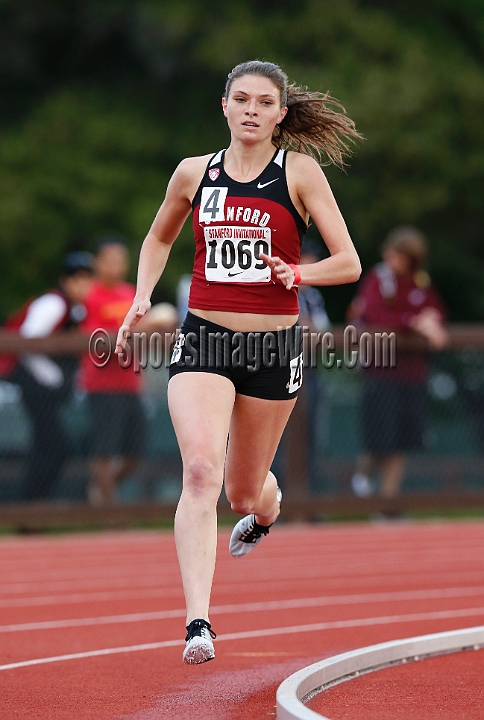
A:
(100, 101)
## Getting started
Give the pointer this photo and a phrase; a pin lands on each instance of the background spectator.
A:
(296, 458)
(396, 295)
(311, 302)
(47, 382)
(117, 419)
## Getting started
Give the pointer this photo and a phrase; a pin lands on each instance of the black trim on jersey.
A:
(267, 181)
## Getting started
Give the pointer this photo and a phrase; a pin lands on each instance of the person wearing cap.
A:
(396, 295)
(47, 382)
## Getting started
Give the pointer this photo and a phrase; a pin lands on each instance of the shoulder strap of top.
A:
(216, 158)
(280, 157)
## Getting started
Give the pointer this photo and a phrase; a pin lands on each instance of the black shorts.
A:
(265, 365)
(392, 416)
(117, 425)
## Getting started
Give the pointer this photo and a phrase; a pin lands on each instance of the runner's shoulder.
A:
(301, 163)
(304, 173)
(189, 173)
(193, 165)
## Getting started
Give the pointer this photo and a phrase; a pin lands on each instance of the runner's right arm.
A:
(156, 247)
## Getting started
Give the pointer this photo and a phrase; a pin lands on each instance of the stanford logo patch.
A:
(213, 173)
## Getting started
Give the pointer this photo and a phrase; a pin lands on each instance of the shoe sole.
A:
(198, 652)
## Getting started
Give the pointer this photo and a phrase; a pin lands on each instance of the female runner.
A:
(230, 398)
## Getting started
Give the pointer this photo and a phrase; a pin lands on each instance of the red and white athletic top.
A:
(233, 222)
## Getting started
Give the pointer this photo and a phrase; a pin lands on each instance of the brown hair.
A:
(409, 241)
(315, 123)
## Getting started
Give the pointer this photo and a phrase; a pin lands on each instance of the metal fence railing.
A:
(44, 452)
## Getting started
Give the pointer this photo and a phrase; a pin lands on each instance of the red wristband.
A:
(297, 274)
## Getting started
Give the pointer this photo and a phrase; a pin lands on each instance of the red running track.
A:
(448, 687)
(92, 626)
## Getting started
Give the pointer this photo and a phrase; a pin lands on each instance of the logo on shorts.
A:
(177, 349)
(296, 374)
(213, 173)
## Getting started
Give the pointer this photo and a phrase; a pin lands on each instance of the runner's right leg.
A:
(201, 407)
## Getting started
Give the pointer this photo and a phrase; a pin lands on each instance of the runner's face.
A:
(253, 108)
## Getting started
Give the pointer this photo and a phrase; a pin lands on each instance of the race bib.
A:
(233, 254)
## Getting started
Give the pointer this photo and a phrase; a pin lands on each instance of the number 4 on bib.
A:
(212, 204)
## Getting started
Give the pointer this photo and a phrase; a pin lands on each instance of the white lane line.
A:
(59, 585)
(268, 632)
(382, 561)
(99, 554)
(86, 573)
(92, 653)
(162, 592)
(46, 557)
(50, 560)
(360, 599)
(109, 596)
(326, 573)
(103, 620)
(19, 567)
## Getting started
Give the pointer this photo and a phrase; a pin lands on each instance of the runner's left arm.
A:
(313, 191)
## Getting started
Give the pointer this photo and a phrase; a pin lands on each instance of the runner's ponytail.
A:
(315, 124)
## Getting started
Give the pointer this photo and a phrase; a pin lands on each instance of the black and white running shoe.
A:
(248, 533)
(199, 647)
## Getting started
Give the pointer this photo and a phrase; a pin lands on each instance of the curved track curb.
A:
(304, 684)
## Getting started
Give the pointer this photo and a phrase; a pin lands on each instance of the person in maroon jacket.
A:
(397, 295)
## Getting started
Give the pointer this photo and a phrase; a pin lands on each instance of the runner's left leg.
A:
(255, 431)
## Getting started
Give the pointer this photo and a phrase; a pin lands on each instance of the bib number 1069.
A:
(233, 254)
(243, 254)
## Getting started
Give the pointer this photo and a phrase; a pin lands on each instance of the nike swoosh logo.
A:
(233, 274)
(263, 185)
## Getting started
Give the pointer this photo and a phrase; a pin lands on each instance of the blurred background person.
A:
(396, 295)
(296, 458)
(311, 302)
(117, 423)
(182, 293)
(47, 382)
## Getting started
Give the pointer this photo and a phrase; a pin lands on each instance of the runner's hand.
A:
(283, 272)
(137, 310)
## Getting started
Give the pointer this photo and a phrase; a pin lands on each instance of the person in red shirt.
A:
(396, 295)
(117, 421)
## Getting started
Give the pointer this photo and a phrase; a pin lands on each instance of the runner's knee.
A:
(242, 507)
(201, 476)
(242, 504)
